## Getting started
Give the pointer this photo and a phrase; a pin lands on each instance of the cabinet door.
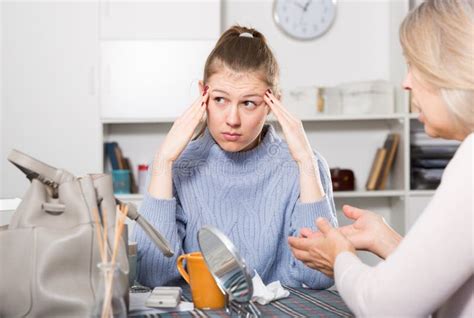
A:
(150, 79)
(160, 19)
(50, 59)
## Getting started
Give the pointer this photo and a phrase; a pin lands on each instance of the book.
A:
(391, 146)
(133, 184)
(376, 169)
(111, 154)
(114, 153)
(119, 155)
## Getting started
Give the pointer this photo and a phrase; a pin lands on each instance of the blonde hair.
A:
(438, 39)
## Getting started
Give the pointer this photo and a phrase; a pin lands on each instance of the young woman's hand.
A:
(183, 129)
(161, 182)
(319, 251)
(311, 188)
(293, 130)
(370, 232)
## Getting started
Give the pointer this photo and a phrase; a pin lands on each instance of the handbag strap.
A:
(152, 233)
(35, 169)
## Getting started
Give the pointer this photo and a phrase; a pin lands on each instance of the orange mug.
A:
(206, 294)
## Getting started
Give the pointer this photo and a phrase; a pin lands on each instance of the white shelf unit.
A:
(356, 137)
(345, 142)
(136, 197)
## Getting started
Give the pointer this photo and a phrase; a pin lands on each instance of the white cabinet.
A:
(150, 79)
(160, 19)
(153, 54)
(50, 94)
(152, 57)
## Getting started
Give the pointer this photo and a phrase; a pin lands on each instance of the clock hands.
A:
(303, 7)
(299, 5)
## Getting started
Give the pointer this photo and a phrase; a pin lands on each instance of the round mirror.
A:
(225, 264)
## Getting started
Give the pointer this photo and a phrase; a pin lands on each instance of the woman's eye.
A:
(219, 100)
(249, 104)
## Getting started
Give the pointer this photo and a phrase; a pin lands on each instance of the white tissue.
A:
(264, 294)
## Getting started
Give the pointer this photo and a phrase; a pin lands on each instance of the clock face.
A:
(304, 19)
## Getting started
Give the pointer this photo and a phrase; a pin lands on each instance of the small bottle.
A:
(142, 172)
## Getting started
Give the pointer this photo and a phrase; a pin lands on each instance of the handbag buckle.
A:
(53, 185)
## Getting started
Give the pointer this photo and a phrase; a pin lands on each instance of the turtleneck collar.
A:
(269, 145)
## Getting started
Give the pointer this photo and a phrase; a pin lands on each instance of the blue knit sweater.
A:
(252, 196)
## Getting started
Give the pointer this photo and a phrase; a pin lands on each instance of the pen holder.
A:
(121, 181)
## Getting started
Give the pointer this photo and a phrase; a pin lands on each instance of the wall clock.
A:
(304, 19)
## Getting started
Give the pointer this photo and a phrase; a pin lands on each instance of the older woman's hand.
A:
(369, 232)
(319, 251)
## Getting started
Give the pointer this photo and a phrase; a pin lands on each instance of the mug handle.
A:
(181, 270)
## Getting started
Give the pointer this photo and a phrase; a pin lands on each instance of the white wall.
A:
(2, 156)
(357, 47)
(50, 63)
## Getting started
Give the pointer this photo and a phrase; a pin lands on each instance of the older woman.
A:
(431, 269)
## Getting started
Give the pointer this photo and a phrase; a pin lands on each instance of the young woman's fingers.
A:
(276, 102)
(196, 110)
(270, 102)
(282, 118)
(192, 107)
(199, 116)
(286, 119)
(197, 103)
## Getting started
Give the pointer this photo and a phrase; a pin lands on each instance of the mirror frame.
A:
(235, 254)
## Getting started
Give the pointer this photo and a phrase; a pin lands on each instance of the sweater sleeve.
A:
(432, 262)
(305, 215)
(167, 216)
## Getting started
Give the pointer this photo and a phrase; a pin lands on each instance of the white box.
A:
(371, 97)
(302, 101)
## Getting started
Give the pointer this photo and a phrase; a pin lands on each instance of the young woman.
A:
(238, 175)
(431, 269)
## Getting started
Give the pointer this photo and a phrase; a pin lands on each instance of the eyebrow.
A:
(224, 92)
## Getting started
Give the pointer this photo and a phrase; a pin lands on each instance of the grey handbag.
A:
(49, 251)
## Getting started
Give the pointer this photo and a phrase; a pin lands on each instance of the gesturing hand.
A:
(369, 232)
(319, 251)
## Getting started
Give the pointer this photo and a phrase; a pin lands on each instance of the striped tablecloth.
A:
(302, 302)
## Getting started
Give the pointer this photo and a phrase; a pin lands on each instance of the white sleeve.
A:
(432, 261)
